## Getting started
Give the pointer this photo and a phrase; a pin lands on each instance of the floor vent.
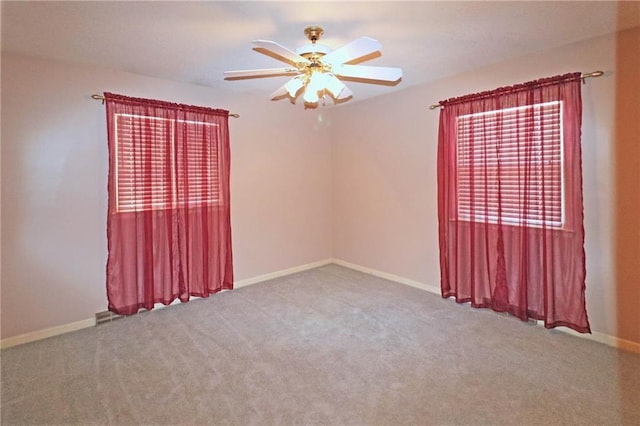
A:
(106, 316)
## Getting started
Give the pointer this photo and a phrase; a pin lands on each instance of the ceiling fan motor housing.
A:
(313, 49)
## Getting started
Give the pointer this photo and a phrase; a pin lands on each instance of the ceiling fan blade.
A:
(369, 72)
(266, 72)
(356, 49)
(280, 93)
(344, 94)
(278, 51)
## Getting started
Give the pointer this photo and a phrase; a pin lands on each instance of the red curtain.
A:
(168, 225)
(510, 201)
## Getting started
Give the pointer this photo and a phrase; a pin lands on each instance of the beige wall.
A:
(384, 174)
(54, 180)
(356, 183)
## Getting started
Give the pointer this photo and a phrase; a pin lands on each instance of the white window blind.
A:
(160, 165)
(513, 156)
(200, 182)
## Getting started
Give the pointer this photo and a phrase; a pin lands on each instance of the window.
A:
(510, 166)
(169, 217)
(510, 211)
(165, 163)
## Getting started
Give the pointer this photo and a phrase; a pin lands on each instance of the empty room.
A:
(336, 213)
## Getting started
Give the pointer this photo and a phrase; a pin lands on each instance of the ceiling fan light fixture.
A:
(316, 83)
(294, 85)
(310, 97)
(333, 85)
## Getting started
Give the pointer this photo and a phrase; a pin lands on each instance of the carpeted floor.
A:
(327, 346)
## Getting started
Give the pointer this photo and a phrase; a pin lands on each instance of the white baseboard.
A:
(606, 339)
(390, 277)
(281, 273)
(45, 333)
(66, 328)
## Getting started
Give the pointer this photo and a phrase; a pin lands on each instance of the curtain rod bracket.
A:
(98, 98)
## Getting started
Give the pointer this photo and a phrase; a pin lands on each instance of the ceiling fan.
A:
(318, 71)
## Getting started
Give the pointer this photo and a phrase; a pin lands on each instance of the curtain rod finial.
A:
(98, 98)
(593, 74)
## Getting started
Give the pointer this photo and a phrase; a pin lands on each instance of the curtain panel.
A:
(168, 223)
(510, 205)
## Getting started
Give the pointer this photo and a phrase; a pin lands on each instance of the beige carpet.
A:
(327, 346)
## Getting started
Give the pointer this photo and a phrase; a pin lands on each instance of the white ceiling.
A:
(195, 42)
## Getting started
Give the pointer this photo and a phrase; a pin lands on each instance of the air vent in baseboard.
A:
(106, 316)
